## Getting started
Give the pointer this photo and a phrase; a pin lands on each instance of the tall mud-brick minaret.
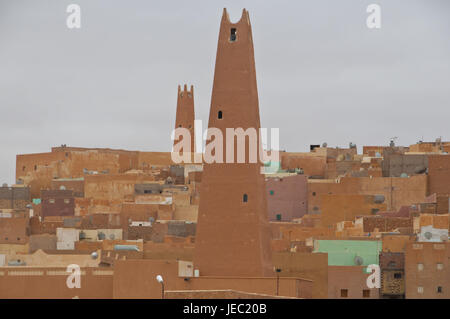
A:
(185, 113)
(233, 236)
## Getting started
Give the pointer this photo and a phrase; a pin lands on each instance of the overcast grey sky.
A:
(323, 76)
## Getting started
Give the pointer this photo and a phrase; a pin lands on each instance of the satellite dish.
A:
(112, 236)
(62, 188)
(94, 255)
(428, 235)
(358, 260)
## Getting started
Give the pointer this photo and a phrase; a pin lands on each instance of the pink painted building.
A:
(287, 197)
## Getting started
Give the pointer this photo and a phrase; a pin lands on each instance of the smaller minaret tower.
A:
(185, 113)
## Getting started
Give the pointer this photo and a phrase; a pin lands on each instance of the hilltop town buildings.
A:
(308, 229)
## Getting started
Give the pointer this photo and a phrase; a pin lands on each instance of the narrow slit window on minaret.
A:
(245, 198)
(219, 115)
(233, 35)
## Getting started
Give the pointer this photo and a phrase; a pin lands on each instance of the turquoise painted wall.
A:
(343, 252)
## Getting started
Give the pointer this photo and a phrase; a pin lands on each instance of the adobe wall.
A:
(82, 206)
(394, 165)
(352, 278)
(57, 203)
(396, 243)
(44, 242)
(385, 224)
(341, 168)
(427, 147)
(109, 257)
(181, 229)
(148, 159)
(436, 221)
(392, 275)
(168, 251)
(50, 283)
(298, 232)
(40, 258)
(287, 196)
(99, 161)
(104, 206)
(338, 208)
(390, 260)
(14, 249)
(38, 170)
(48, 225)
(113, 187)
(430, 277)
(189, 213)
(312, 164)
(138, 212)
(104, 221)
(136, 279)
(442, 204)
(397, 191)
(439, 174)
(180, 198)
(372, 150)
(14, 197)
(28, 164)
(305, 265)
(75, 185)
(14, 230)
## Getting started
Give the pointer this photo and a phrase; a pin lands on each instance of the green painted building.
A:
(350, 252)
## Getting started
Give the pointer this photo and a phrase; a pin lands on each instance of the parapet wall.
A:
(50, 283)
